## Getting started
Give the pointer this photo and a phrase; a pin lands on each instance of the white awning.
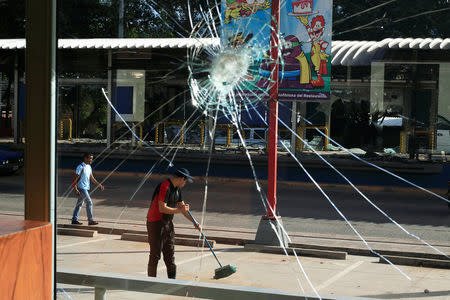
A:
(347, 53)
(390, 122)
(118, 43)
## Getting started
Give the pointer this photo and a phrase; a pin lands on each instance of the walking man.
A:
(166, 202)
(81, 184)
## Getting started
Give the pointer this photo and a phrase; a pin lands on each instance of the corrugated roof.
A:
(135, 43)
(362, 52)
(343, 52)
(118, 43)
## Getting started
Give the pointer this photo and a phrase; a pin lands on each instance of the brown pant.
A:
(161, 238)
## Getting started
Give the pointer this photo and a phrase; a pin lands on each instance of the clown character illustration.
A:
(295, 72)
(319, 57)
(244, 8)
(233, 10)
(239, 39)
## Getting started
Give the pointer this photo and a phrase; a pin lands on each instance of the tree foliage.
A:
(352, 19)
(379, 19)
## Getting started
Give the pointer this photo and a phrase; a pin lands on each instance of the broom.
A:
(219, 272)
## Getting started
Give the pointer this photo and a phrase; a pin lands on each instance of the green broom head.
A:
(224, 271)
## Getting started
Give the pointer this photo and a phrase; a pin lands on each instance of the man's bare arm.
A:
(75, 186)
(186, 214)
(163, 208)
(97, 183)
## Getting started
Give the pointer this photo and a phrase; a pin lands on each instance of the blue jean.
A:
(83, 197)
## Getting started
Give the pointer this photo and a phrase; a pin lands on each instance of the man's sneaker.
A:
(92, 223)
(76, 223)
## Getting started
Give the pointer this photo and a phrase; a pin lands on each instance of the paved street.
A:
(236, 203)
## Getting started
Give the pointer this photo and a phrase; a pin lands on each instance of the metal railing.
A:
(430, 134)
(120, 125)
(227, 127)
(163, 124)
(61, 128)
(301, 133)
(193, 289)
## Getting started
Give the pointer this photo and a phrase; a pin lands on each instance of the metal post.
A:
(273, 110)
(100, 293)
(108, 108)
(121, 6)
(16, 100)
(40, 115)
(270, 226)
(293, 126)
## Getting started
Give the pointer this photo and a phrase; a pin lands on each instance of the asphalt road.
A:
(236, 203)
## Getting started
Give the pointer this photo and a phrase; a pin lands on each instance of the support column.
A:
(108, 108)
(16, 100)
(293, 126)
(40, 114)
(377, 87)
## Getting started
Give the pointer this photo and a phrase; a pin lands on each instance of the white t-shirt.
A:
(85, 179)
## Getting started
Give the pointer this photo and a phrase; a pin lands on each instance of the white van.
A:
(442, 134)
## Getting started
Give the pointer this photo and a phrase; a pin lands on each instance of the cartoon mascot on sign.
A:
(319, 57)
(244, 8)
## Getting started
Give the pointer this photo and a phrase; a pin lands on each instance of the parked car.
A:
(443, 134)
(10, 162)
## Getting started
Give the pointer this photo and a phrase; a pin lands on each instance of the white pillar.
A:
(376, 86)
(293, 125)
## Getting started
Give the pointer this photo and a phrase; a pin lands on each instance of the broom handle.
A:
(206, 240)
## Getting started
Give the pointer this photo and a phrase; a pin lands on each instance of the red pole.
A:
(273, 110)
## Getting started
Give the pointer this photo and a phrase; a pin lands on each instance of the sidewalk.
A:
(240, 236)
(357, 276)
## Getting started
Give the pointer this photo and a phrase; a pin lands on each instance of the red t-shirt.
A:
(153, 213)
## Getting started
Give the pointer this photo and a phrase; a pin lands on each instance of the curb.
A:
(77, 232)
(417, 262)
(300, 251)
(367, 252)
(178, 240)
(118, 231)
(406, 258)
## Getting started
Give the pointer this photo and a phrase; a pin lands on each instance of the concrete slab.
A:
(178, 240)
(299, 251)
(77, 232)
(419, 262)
(242, 236)
(357, 276)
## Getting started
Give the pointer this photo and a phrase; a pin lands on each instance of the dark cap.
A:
(182, 172)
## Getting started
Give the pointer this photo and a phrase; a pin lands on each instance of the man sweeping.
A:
(166, 201)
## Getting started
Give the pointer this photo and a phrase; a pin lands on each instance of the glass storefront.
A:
(365, 168)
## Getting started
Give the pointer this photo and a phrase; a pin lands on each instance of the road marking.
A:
(185, 261)
(85, 242)
(192, 259)
(339, 275)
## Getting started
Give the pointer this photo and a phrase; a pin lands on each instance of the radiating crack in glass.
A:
(221, 78)
(102, 157)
